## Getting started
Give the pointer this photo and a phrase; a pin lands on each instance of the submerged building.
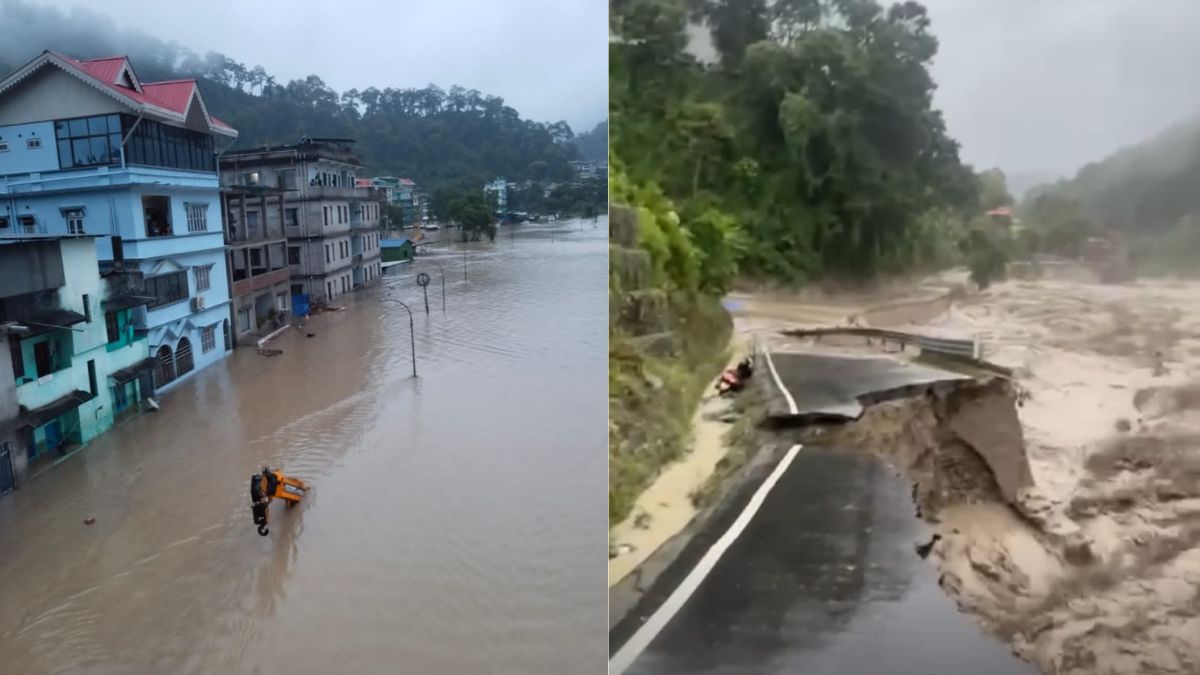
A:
(86, 147)
(331, 224)
(75, 363)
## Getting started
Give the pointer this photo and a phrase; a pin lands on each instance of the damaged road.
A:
(822, 569)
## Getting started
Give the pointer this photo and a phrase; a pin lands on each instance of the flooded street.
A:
(454, 525)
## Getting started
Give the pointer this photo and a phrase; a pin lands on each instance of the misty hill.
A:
(432, 135)
(593, 145)
(1146, 188)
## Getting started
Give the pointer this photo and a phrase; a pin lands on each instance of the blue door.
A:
(53, 435)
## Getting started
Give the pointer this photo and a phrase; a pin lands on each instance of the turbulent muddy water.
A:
(456, 524)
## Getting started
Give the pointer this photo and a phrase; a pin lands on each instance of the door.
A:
(8, 478)
(53, 435)
(42, 358)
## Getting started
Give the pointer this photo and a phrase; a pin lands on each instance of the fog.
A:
(547, 59)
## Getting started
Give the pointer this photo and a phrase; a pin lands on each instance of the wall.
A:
(30, 267)
(51, 93)
(19, 158)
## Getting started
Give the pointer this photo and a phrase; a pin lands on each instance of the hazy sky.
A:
(1054, 84)
(546, 58)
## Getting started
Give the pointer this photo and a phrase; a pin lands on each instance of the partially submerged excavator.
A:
(272, 484)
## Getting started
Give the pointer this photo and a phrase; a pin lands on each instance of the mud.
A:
(1094, 567)
(454, 525)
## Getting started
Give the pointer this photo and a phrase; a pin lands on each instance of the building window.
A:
(92, 377)
(297, 289)
(244, 320)
(329, 288)
(156, 144)
(112, 327)
(164, 370)
(327, 257)
(293, 255)
(281, 302)
(34, 144)
(3, 147)
(203, 282)
(3, 222)
(197, 217)
(88, 141)
(183, 357)
(252, 220)
(87, 308)
(74, 219)
(167, 288)
(286, 179)
(291, 217)
(325, 214)
(208, 339)
(28, 224)
(157, 213)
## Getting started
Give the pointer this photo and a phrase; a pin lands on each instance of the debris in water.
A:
(924, 549)
(89, 520)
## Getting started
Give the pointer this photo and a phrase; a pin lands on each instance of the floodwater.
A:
(457, 521)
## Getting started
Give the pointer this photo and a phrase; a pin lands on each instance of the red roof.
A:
(363, 182)
(1005, 211)
(172, 95)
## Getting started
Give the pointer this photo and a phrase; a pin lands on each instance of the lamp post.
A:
(412, 334)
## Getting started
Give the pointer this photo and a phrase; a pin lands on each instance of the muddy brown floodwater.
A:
(456, 523)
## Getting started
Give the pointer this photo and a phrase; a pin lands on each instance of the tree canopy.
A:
(813, 136)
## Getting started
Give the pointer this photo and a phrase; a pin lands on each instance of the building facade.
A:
(87, 148)
(331, 225)
(498, 188)
(256, 219)
(76, 360)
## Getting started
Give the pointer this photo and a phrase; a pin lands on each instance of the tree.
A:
(475, 215)
(993, 190)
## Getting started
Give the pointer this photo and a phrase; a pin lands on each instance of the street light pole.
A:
(412, 333)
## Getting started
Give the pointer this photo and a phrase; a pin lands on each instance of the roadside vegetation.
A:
(806, 148)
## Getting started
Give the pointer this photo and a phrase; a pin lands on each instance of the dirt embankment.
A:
(1086, 560)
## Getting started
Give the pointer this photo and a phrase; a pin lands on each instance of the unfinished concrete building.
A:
(331, 225)
(256, 244)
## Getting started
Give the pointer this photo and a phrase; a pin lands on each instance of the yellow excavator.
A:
(272, 484)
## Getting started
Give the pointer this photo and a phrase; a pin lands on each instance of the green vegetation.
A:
(435, 136)
(809, 149)
(475, 214)
(593, 145)
(813, 135)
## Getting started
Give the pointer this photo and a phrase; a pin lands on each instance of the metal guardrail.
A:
(967, 349)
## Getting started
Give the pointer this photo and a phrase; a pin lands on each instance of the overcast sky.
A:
(546, 58)
(1054, 84)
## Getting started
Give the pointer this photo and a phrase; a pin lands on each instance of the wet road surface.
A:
(454, 522)
(835, 386)
(825, 580)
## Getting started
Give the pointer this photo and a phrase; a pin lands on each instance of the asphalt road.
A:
(823, 579)
(836, 386)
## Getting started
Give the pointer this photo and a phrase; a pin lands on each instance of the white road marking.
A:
(645, 634)
(786, 394)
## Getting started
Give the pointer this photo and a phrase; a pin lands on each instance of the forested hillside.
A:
(811, 148)
(1144, 189)
(435, 136)
(593, 145)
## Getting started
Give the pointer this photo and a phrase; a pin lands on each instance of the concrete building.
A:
(401, 192)
(87, 147)
(76, 362)
(499, 188)
(256, 222)
(333, 237)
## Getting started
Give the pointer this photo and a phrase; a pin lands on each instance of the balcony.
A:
(264, 280)
(331, 192)
(161, 247)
